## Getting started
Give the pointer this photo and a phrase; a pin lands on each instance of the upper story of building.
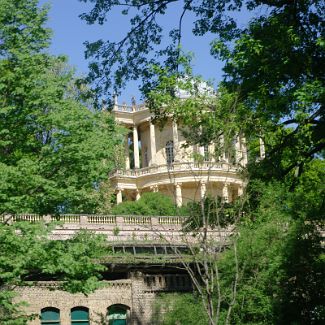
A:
(160, 159)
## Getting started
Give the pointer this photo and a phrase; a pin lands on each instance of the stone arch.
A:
(79, 315)
(118, 314)
(50, 315)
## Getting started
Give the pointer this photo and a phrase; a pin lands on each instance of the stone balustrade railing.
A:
(119, 228)
(129, 108)
(116, 220)
(174, 167)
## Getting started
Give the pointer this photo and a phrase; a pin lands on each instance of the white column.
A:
(201, 151)
(127, 153)
(178, 190)
(225, 192)
(203, 190)
(244, 150)
(262, 149)
(240, 190)
(152, 144)
(137, 195)
(136, 148)
(119, 196)
(238, 150)
(223, 151)
(212, 151)
(175, 139)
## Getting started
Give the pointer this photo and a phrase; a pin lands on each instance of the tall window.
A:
(117, 315)
(170, 152)
(206, 153)
(79, 316)
(50, 316)
(146, 161)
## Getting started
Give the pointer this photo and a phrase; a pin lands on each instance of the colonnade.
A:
(226, 194)
(240, 147)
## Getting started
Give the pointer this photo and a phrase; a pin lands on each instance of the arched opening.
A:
(80, 316)
(118, 314)
(170, 152)
(50, 316)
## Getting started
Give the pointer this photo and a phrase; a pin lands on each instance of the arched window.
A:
(50, 316)
(117, 314)
(170, 152)
(80, 316)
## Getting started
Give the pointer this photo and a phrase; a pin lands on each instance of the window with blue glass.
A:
(80, 316)
(117, 315)
(50, 316)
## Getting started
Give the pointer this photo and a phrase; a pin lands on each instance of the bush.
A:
(150, 204)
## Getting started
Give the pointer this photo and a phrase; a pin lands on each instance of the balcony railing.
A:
(175, 167)
(118, 220)
(130, 108)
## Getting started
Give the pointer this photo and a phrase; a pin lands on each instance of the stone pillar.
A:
(136, 148)
(201, 151)
(225, 192)
(137, 195)
(203, 189)
(244, 151)
(152, 144)
(240, 190)
(213, 152)
(154, 188)
(238, 150)
(119, 196)
(224, 157)
(178, 192)
(262, 149)
(175, 139)
(127, 153)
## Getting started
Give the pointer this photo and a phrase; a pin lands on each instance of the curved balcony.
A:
(178, 172)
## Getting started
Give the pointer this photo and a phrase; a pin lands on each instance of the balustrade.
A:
(190, 166)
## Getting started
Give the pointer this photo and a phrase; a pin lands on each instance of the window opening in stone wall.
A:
(50, 316)
(117, 314)
(206, 153)
(80, 316)
(170, 152)
(146, 161)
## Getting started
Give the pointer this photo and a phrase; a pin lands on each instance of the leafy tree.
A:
(150, 204)
(171, 309)
(28, 255)
(54, 151)
(275, 63)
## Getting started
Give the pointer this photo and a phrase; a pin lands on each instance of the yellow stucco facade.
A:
(156, 159)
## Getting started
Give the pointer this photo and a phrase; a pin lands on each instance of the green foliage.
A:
(274, 63)
(218, 213)
(28, 255)
(150, 204)
(54, 151)
(175, 308)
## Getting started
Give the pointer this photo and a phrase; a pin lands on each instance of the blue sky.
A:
(70, 32)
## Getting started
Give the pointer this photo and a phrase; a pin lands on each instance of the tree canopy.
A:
(55, 150)
(275, 63)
